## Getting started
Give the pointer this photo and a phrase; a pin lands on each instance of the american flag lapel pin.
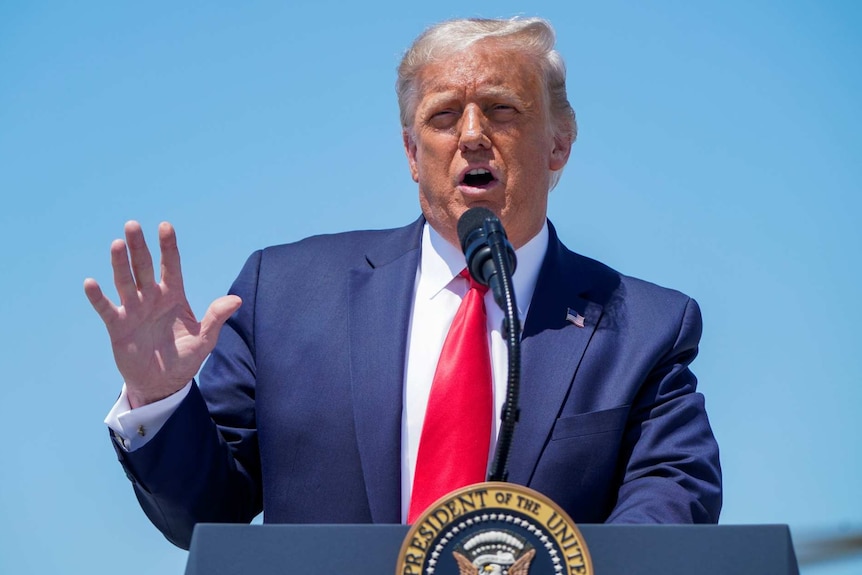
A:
(574, 317)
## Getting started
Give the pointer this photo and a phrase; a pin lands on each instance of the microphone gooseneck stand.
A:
(512, 334)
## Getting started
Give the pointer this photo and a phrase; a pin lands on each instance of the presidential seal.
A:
(494, 529)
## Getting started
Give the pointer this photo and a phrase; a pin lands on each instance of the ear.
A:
(560, 152)
(410, 150)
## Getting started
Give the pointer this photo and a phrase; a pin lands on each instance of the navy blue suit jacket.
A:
(299, 407)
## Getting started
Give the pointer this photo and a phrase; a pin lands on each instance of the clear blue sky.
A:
(719, 153)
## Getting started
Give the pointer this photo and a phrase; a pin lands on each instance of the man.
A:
(312, 404)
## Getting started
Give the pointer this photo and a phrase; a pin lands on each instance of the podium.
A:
(229, 549)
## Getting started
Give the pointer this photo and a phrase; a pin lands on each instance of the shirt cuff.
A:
(133, 428)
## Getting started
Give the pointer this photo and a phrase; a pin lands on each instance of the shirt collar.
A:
(440, 262)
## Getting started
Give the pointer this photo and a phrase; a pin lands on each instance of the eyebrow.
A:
(436, 98)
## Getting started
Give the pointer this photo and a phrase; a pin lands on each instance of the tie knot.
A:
(465, 273)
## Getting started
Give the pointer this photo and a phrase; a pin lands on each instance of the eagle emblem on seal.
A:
(494, 552)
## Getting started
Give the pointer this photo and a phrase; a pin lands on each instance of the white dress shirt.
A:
(439, 291)
(438, 294)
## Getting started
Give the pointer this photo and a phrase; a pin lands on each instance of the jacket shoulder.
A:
(604, 282)
(328, 253)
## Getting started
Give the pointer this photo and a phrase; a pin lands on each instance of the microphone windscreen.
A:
(470, 221)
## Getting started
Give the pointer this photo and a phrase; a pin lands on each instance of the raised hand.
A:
(158, 343)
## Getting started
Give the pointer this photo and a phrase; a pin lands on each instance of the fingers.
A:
(103, 306)
(218, 313)
(142, 262)
(134, 276)
(171, 270)
(132, 265)
(123, 279)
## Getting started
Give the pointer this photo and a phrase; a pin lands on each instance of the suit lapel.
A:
(380, 298)
(551, 350)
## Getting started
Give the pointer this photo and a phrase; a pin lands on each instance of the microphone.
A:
(491, 261)
(482, 235)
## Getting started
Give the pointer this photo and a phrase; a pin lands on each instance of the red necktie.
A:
(456, 433)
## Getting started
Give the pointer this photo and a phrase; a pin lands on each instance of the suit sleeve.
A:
(671, 472)
(204, 464)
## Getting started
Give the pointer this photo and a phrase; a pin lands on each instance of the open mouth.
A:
(478, 178)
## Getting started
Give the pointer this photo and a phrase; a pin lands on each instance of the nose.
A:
(473, 136)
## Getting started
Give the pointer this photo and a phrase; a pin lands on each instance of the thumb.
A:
(218, 312)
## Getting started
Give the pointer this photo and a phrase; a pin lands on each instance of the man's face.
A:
(482, 136)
